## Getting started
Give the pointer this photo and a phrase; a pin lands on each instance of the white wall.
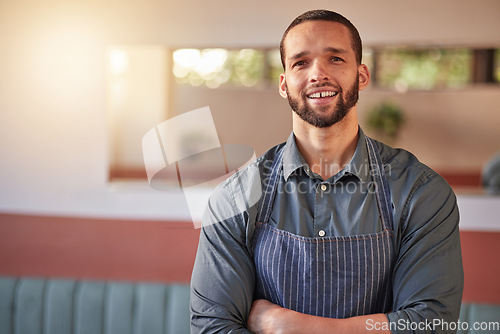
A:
(53, 122)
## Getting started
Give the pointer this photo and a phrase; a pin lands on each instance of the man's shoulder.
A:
(415, 186)
(402, 165)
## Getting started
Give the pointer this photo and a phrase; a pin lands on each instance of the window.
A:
(274, 65)
(396, 68)
(403, 69)
(215, 67)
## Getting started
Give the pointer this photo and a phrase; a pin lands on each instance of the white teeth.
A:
(322, 94)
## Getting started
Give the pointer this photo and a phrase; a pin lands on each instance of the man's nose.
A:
(319, 72)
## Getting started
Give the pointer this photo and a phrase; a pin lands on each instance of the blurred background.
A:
(81, 82)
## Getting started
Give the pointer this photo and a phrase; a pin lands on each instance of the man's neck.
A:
(327, 150)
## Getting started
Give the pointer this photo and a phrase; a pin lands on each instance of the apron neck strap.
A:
(382, 190)
(270, 188)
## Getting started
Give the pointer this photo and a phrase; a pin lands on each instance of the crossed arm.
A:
(268, 318)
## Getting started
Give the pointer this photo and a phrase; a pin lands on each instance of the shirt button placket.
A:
(323, 188)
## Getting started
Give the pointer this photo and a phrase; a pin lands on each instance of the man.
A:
(349, 236)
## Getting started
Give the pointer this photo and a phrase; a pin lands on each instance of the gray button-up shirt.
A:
(428, 274)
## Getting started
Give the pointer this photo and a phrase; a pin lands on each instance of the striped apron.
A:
(335, 277)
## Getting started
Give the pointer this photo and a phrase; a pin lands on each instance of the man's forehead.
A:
(311, 32)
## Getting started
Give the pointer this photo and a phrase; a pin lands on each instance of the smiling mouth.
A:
(320, 95)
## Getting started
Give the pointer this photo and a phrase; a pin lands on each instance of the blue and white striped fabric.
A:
(336, 277)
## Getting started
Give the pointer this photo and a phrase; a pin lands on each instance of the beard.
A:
(321, 118)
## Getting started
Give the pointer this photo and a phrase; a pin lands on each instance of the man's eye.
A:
(299, 63)
(336, 59)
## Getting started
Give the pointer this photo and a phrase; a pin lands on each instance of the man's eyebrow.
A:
(299, 55)
(335, 50)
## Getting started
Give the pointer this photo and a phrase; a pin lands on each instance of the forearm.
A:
(266, 317)
(301, 323)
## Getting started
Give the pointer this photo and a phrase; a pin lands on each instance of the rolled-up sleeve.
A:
(223, 278)
(428, 274)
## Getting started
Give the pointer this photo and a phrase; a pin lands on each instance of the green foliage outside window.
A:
(275, 67)
(403, 69)
(215, 67)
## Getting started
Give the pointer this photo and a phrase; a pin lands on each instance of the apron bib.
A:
(335, 277)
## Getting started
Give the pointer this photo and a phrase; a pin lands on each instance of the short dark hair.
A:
(325, 15)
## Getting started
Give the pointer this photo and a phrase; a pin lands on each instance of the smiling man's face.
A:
(322, 78)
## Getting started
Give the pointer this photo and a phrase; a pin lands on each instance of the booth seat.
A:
(479, 318)
(64, 306)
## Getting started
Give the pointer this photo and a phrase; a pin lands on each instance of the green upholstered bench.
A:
(57, 306)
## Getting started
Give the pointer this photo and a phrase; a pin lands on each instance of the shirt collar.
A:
(292, 159)
(358, 166)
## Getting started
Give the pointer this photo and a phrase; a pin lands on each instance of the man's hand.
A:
(268, 318)
(265, 317)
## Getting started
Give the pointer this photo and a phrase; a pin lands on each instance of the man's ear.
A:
(364, 76)
(282, 86)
